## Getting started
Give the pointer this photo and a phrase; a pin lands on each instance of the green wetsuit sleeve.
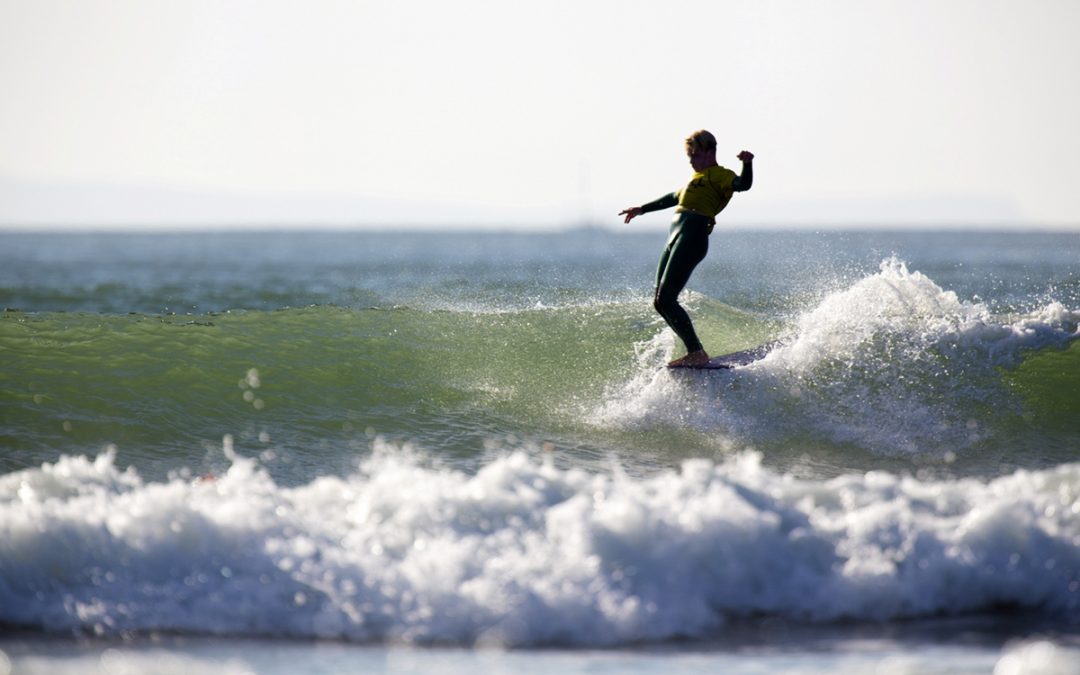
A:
(665, 202)
(743, 182)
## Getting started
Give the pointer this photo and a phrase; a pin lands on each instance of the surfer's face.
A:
(702, 159)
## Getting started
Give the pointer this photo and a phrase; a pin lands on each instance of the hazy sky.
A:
(860, 112)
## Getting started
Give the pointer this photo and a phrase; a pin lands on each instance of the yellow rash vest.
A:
(708, 191)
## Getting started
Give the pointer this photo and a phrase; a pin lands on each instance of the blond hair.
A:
(700, 141)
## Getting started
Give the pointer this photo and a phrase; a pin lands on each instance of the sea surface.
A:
(313, 451)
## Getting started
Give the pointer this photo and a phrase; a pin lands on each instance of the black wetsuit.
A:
(687, 244)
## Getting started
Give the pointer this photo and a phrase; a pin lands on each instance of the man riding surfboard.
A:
(708, 192)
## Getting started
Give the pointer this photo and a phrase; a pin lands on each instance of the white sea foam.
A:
(904, 315)
(893, 364)
(1039, 657)
(524, 552)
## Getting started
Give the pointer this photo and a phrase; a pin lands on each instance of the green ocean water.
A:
(460, 361)
(325, 378)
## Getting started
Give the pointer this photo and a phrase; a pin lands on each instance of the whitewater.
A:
(523, 553)
(469, 442)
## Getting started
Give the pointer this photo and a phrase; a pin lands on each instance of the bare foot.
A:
(691, 360)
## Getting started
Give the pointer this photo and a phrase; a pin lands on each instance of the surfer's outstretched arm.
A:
(665, 202)
(743, 181)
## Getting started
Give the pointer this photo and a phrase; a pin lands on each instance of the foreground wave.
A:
(523, 552)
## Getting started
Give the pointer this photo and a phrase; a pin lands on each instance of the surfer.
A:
(708, 192)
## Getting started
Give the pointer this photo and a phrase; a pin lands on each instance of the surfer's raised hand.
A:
(631, 213)
(746, 156)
